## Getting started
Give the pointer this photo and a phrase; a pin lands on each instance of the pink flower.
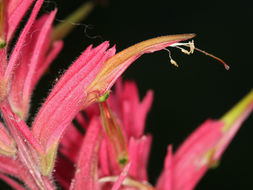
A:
(12, 12)
(29, 58)
(182, 170)
(113, 152)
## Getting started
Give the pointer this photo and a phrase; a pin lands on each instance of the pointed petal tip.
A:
(106, 43)
(243, 106)
(169, 149)
(122, 177)
(103, 46)
(113, 49)
(54, 12)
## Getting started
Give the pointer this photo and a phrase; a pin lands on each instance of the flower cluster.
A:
(110, 149)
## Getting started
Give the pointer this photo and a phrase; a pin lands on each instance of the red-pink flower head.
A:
(89, 78)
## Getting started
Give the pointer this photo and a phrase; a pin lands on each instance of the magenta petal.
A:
(25, 75)
(107, 159)
(28, 147)
(134, 109)
(199, 135)
(64, 171)
(70, 143)
(15, 185)
(40, 49)
(204, 147)
(21, 40)
(20, 130)
(52, 54)
(125, 102)
(16, 10)
(166, 179)
(3, 62)
(82, 121)
(121, 177)
(193, 157)
(9, 165)
(138, 150)
(86, 170)
(68, 96)
(89, 59)
(131, 114)
(104, 158)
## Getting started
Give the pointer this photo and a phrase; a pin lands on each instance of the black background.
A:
(186, 96)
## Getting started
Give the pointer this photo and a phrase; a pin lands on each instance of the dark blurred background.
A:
(186, 96)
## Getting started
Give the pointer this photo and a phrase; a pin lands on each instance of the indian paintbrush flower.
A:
(113, 152)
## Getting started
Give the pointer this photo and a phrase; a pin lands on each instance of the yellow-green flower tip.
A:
(8, 150)
(2, 44)
(47, 161)
(238, 110)
(104, 97)
(123, 160)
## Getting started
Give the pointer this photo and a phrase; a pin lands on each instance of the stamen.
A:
(192, 48)
(172, 61)
(184, 50)
(189, 44)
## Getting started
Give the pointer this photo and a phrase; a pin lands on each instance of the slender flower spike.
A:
(86, 172)
(232, 122)
(203, 148)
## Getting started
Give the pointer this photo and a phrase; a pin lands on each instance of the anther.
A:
(172, 61)
(192, 48)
